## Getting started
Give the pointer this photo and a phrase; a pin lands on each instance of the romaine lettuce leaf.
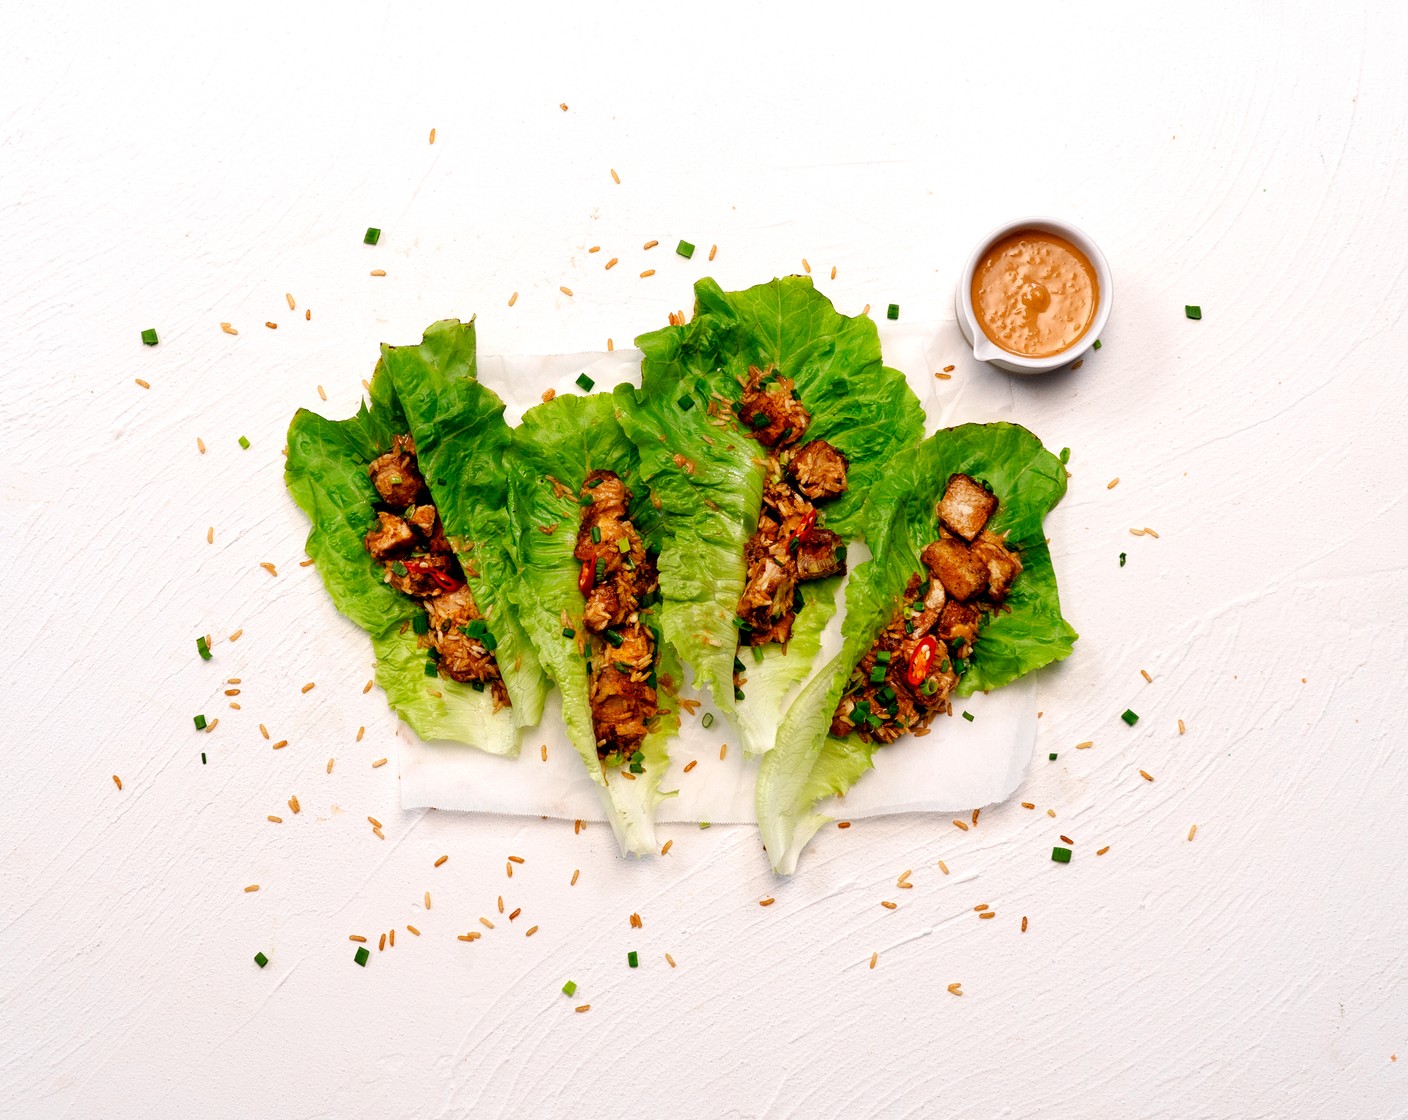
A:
(326, 474)
(554, 449)
(808, 764)
(707, 472)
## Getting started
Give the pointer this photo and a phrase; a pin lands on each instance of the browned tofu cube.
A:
(966, 507)
(953, 564)
(391, 537)
(1002, 563)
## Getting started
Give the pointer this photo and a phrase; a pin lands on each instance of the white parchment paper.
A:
(959, 765)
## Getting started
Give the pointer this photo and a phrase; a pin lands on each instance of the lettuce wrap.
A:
(429, 391)
(707, 471)
(554, 449)
(808, 763)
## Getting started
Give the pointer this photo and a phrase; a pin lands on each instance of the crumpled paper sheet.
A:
(958, 766)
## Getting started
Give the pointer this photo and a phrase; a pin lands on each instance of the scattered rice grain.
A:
(486, 923)
(441, 860)
(575, 873)
(293, 805)
(1024, 923)
(357, 937)
(961, 824)
(530, 931)
(1112, 483)
(274, 819)
(766, 901)
(1181, 728)
(1085, 746)
(723, 752)
(806, 266)
(943, 867)
(412, 929)
(955, 989)
(564, 289)
(378, 762)
(874, 957)
(666, 846)
(432, 135)
(322, 393)
(117, 781)
(289, 296)
(612, 262)
(843, 824)
(268, 567)
(1192, 831)
(670, 959)
(1102, 851)
(712, 250)
(988, 914)
(360, 732)
(888, 905)
(614, 177)
(647, 272)
(427, 900)
(378, 272)
(228, 329)
(1144, 673)
(330, 762)
(251, 888)
(690, 765)
(1148, 777)
(280, 745)
(200, 445)
(143, 384)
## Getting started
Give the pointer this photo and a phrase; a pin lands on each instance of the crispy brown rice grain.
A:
(234, 706)
(1144, 673)
(670, 959)
(874, 957)
(1028, 805)
(1024, 923)
(271, 326)
(614, 177)
(1112, 483)
(690, 765)
(391, 938)
(1181, 728)
(1150, 532)
(427, 900)
(289, 296)
(1102, 851)
(961, 824)
(232, 692)
(373, 822)
(635, 921)
(647, 272)
(582, 1007)
(508, 870)
(1085, 746)
(360, 732)
(1136, 532)
(955, 989)
(432, 135)
(378, 272)
(486, 923)
(650, 244)
(228, 329)
(501, 904)
(975, 817)
(251, 888)
(1078, 363)
(441, 860)
(981, 907)
(944, 376)
(1148, 777)
(308, 315)
(576, 826)
(330, 762)
(211, 725)
(412, 929)
(143, 384)
(988, 914)
(1067, 839)
(888, 905)
(464, 937)
(806, 266)
(515, 859)
(712, 250)
(516, 911)
(612, 262)
(949, 369)
(575, 873)
(610, 345)
(666, 846)
(564, 289)
(274, 819)
(322, 393)
(843, 824)
(268, 567)
(117, 781)
(943, 867)
(293, 806)
(766, 901)
(833, 272)
(548, 395)
(530, 931)
(200, 445)
(1192, 831)
(378, 762)
(544, 752)
(367, 687)
(594, 249)
(280, 745)
(357, 937)
(264, 731)
(723, 752)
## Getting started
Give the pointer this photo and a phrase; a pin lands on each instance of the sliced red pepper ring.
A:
(442, 580)
(586, 580)
(804, 530)
(921, 659)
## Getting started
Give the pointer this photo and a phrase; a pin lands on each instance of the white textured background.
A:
(174, 165)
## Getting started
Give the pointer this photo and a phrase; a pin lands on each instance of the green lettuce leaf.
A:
(707, 472)
(809, 764)
(429, 391)
(554, 449)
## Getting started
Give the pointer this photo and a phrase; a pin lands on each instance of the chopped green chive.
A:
(568, 632)
(200, 723)
(968, 716)
(1122, 557)
(244, 442)
(685, 249)
(633, 959)
(1061, 855)
(594, 483)
(596, 534)
(149, 337)
(1065, 455)
(1129, 717)
(420, 624)
(475, 628)
(883, 657)
(738, 666)
(708, 720)
(203, 648)
(877, 674)
(945, 666)
(887, 694)
(569, 988)
(478, 686)
(1051, 757)
(760, 421)
(686, 402)
(639, 756)
(636, 768)
(862, 708)
(930, 686)
(893, 311)
(202, 758)
(584, 500)
(758, 654)
(600, 569)
(489, 642)
(623, 544)
(874, 720)
(1097, 345)
(1193, 311)
(614, 638)
(260, 959)
(738, 694)
(432, 669)
(361, 956)
(585, 383)
(372, 237)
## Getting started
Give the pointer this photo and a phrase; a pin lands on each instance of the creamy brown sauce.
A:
(1034, 293)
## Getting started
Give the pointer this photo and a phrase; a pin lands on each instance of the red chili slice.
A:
(442, 581)
(808, 524)
(921, 659)
(587, 579)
